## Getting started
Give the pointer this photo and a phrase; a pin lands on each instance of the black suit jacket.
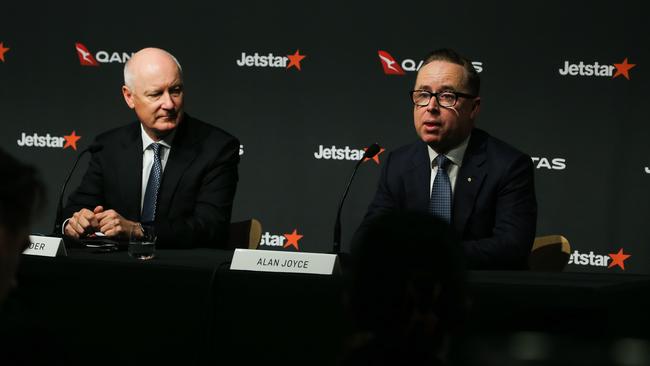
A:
(197, 189)
(494, 204)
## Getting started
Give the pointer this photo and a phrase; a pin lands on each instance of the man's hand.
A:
(83, 222)
(112, 223)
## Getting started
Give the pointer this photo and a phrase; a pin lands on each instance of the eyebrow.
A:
(160, 89)
(442, 88)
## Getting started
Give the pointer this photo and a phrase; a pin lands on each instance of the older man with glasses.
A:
(483, 187)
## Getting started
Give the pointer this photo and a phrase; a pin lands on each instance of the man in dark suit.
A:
(167, 170)
(480, 185)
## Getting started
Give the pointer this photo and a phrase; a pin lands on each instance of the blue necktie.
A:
(440, 204)
(151, 193)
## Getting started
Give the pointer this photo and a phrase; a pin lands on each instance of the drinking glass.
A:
(142, 247)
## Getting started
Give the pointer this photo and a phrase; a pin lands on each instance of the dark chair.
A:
(245, 234)
(550, 253)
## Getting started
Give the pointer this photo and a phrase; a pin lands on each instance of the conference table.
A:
(187, 307)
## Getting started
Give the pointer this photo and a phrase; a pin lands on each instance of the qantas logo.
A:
(597, 69)
(3, 50)
(285, 240)
(596, 260)
(86, 58)
(36, 140)
(549, 163)
(392, 67)
(292, 61)
(345, 153)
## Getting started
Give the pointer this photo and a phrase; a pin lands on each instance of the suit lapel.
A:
(183, 152)
(469, 180)
(418, 179)
(130, 171)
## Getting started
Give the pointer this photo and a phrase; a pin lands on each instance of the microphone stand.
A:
(56, 228)
(370, 152)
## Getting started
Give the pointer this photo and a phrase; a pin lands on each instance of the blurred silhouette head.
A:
(21, 194)
(406, 287)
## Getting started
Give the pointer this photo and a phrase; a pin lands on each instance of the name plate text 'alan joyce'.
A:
(279, 261)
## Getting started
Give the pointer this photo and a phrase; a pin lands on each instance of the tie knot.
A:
(443, 162)
(156, 148)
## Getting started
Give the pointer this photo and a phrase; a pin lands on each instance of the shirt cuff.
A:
(63, 225)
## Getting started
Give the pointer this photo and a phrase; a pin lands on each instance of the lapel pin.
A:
(469, 179)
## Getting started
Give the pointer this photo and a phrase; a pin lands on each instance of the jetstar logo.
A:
(392, 67)
(3, 50)
(549, 163)
(345, 153)
(86, 58)
(618, 259)
(36, 140)
(285, 240)
(270, 60)
(597, 69)
(597, 260)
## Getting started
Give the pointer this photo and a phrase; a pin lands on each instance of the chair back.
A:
(245, 234)
(550, 253)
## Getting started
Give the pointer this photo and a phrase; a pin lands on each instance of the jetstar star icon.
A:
(292, 239)
(85, 57)
(3, 50)
(376, 157)
(71, 140)
(294, 60)
(390, 65)
(623, 69)
(618, 259)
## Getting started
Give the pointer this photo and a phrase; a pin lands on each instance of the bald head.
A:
(146, 61)
(154, 90)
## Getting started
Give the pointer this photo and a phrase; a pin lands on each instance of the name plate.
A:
(279, 261)
(46, 246)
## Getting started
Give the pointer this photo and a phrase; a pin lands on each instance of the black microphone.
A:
(56, 230)
(371, 151)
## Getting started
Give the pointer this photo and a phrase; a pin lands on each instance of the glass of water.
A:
(142, 245)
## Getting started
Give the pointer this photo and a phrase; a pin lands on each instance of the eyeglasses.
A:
(444, 99)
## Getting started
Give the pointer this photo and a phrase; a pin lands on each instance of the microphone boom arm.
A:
(371, 151)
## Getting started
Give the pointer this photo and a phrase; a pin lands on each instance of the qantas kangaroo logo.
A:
(85, 57)
(391, 67)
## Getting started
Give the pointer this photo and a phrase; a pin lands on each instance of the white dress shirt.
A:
(455, 155)
(147, 157)
(147, 162)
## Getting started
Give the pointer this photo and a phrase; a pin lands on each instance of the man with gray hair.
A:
(167, 170)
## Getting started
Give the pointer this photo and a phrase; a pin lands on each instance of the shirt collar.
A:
(455, 155)
(146, 140)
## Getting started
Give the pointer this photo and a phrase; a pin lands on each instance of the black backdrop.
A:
(587, 133)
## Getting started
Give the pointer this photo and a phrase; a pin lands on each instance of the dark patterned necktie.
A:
(151, 193)
(440, 204)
